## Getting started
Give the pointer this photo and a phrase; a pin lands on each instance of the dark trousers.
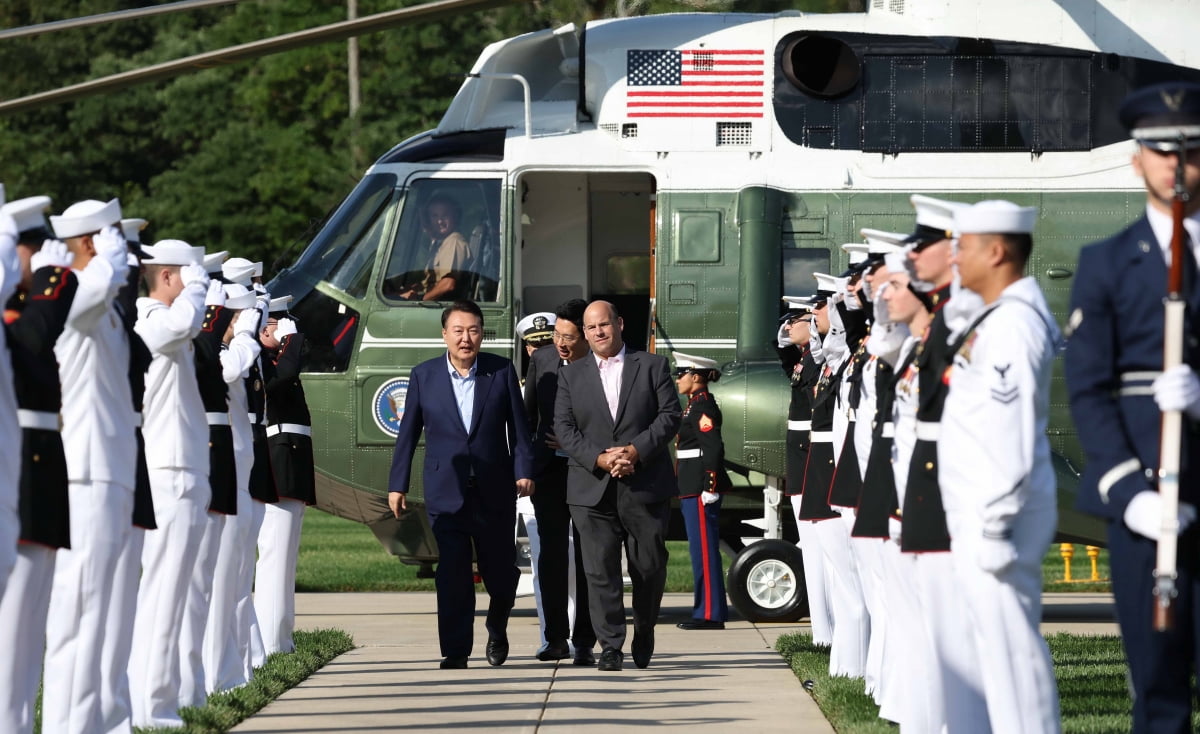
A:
(489, 532)
(1160, 663)
(553, 528)
(704, 541)
(620, 518)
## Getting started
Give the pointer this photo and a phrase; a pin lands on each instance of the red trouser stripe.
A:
(708, 613)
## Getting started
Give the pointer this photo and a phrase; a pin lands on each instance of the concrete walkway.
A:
(720, 681)
(701, 681)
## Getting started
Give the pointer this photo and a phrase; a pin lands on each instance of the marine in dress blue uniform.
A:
(1114, 353)
(700, 467)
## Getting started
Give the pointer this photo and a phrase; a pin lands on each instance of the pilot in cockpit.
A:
(449, 254)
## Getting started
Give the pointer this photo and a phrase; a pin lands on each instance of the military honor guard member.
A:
(794, 347)
(997, 482)
(477, 457)
(10, 429)
(614, 415)
(560, 578)
(168, 320)
(101, 447)
(289, 437)
(536, 331)
(33, 319)
(225, 640)
(700, 468)
(1114, 352)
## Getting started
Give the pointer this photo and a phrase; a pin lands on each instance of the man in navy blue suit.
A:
(1113, 363)
(477, 454)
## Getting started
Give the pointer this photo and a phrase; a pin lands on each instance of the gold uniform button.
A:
(48, 291)
(210, 444)
(37, 457)
(53, 278)
(929, 466)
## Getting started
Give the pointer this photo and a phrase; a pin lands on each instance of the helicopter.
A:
(694, 168)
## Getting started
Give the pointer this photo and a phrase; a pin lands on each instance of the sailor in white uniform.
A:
(177, 458)
(101, 447)
(10, 430)
(998, 484)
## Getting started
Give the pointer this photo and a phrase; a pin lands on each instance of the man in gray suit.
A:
(615, 416)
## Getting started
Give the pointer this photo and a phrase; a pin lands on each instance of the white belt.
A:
(851, 415)
(217, 419)
(289, 428)
(799, 425)
(254, 419)
(688, 454)
(822, 436)
(889, 430)
(928, 430)
(39, 419)
(137, 420)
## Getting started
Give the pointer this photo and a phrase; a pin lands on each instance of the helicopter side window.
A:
(446, 246)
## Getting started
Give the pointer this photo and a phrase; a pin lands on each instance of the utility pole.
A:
(354, 92)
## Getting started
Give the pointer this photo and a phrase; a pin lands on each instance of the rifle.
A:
(1171, 425)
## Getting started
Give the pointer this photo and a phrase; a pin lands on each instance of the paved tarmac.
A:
(710, 681)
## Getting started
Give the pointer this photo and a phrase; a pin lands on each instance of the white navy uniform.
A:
(101, 449)
(177, 459)
(997, 482)
(10, 431)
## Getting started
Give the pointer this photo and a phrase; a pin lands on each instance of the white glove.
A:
(995, 555)
(706, 497)
(261, 290)
(1143, 514)
(193, 273)
(880, 315)
(110, 245)
(284, 328)
(216, 294)
(9, 232)
(1178, 389)
(852, 302)
(54, 254)
(894, 527)
(814, 344)
(783, 340)
(246, 322)
(130, 259)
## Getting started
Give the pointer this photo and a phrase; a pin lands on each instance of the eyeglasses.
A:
(565, 338)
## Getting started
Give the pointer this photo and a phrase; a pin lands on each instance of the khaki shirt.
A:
(450, 256)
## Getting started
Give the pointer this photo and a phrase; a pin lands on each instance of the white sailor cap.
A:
(995, 216)
(279, 305)
(880, 243)
(86, 217)
(685, 363)
(935, 219)
(29, 213)
(213, 260)
(537, 329)
(857, 251)
(798, 303)
(240, 270)
(173, 252)
(828, 285)
(238, 296)
(132, 229)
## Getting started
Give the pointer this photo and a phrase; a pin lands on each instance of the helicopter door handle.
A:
(1059, 273)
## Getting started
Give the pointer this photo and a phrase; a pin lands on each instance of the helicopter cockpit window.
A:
(352, 223)
(447, 245)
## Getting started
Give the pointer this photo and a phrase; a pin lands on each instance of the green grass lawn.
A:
(340, 555)
(1090, 671)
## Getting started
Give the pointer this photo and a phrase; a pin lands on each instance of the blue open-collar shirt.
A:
(464, 391)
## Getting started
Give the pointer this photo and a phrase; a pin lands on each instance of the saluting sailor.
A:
(1114, 351)
(794, 347)
(33, 319)
(177, 458)
(10, 430)
(700, 466)
(996, 478)
(289, 437)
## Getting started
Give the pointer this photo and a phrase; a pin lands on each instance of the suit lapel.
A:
(628, 375)
(1146, 263)
(483, 384)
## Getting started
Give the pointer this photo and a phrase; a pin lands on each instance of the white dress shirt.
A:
(610, 377)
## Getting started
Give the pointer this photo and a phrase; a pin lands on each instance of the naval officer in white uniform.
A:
(177, 458)
(101, 449)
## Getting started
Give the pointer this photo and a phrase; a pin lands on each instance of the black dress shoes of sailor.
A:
(453, 663)
(610, 659)
(701, 624)
(643, 646)
(584, 656)
(555, 650)
(497, 650)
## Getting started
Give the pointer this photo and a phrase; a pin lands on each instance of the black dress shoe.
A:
(453, 663)
(497, 650)
(610, 659)
(701, 624)
(584, 656)
(643, 646)
(556, 650)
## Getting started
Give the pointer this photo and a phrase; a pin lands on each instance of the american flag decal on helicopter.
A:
(725, 83)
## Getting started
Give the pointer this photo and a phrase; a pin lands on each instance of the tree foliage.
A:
(249, 157)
